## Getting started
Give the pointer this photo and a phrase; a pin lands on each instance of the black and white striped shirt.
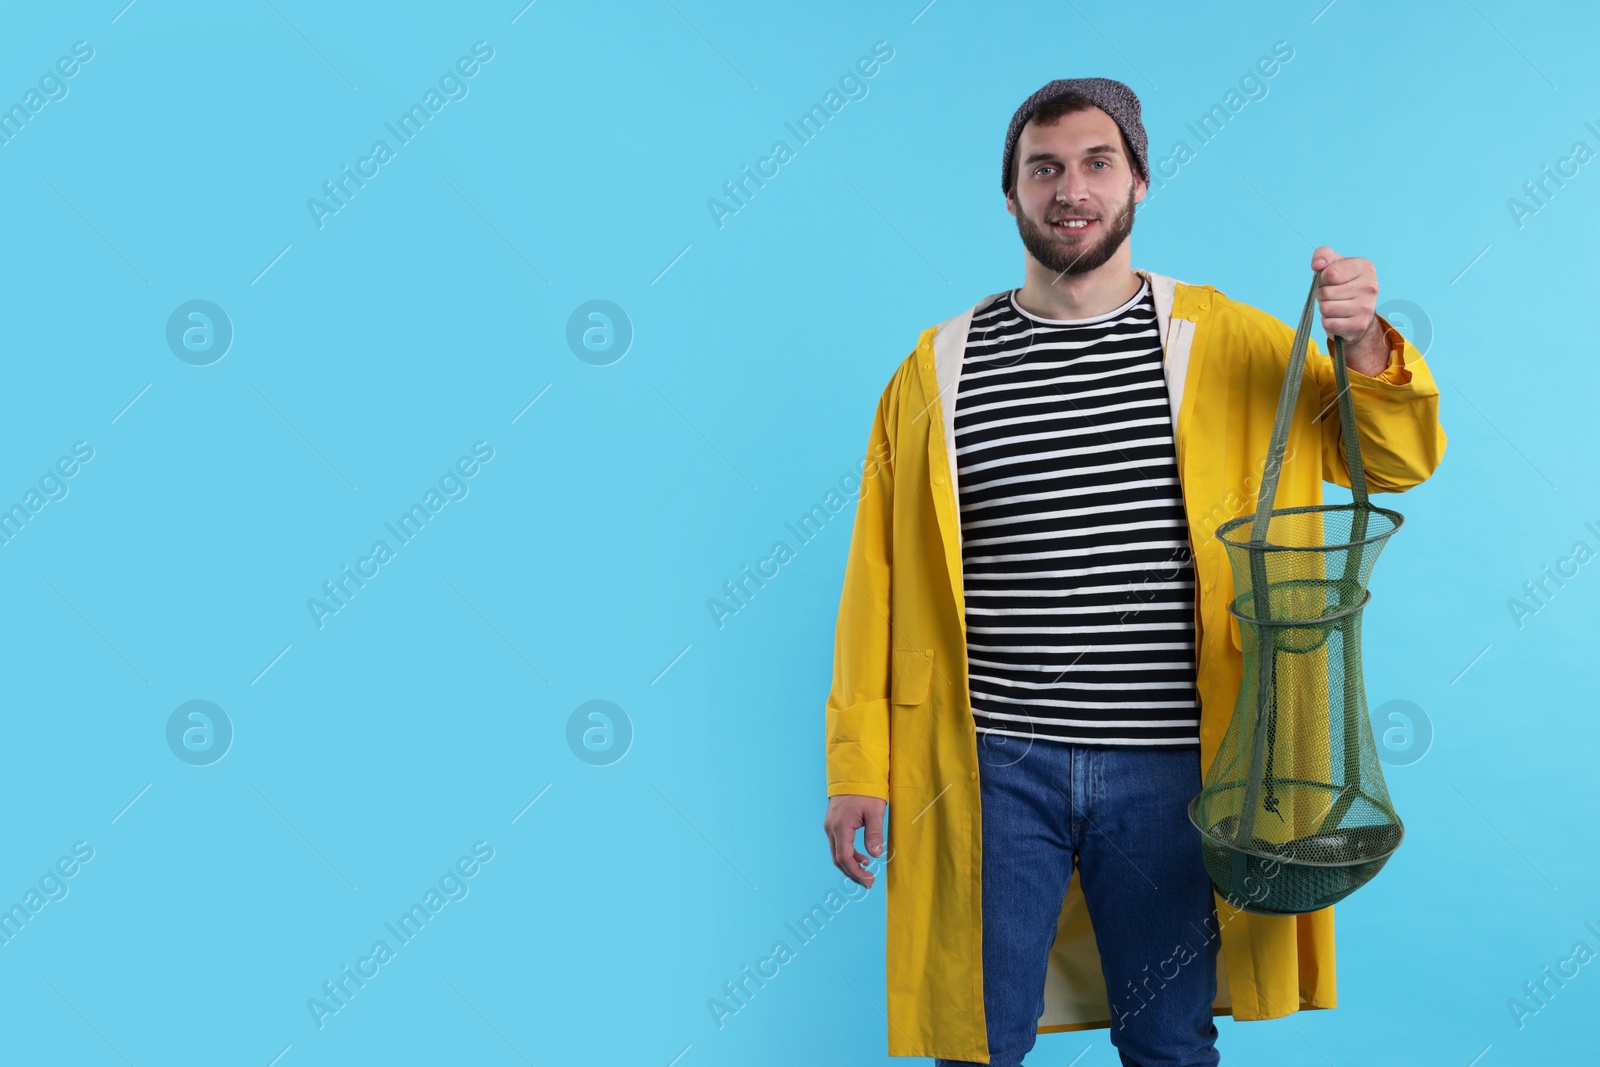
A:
(1075, 546)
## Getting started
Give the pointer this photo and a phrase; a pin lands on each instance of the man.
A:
(1034, 661)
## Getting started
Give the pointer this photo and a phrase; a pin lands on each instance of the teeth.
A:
(1075, 224)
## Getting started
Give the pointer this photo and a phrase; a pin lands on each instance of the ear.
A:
(1011, 201)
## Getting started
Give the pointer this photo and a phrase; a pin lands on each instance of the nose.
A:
(1072, 187)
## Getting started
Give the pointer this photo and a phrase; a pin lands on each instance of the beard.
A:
(1078, 256)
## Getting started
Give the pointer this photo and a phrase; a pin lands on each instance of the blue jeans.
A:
(1117, 813)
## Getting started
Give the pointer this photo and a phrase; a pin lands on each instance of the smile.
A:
(1072, 226)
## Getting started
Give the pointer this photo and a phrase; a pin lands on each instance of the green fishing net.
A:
(1294, 814)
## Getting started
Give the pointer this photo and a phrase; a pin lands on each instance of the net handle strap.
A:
(1287, 397)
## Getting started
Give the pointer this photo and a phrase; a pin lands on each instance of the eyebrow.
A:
(1092, 150)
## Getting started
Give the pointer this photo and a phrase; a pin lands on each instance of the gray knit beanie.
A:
(1112, 97)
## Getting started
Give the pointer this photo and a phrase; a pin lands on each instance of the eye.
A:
(1103, 162)
(1044, 168)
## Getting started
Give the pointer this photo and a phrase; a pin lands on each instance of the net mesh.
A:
(1294, 814)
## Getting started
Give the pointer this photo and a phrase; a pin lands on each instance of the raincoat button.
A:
(973, 776)
(938, 479)
(930, 652)
(927, 366)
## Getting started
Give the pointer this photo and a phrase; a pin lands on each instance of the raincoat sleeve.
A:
(858, 704)
(1397, 418)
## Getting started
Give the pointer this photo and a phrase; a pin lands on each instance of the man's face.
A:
(1074, 169)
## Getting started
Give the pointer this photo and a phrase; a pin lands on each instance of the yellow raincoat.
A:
(899, 715)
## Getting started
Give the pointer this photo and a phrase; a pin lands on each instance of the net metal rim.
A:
(1288, 861)
(1297, 624)
(1233, 524)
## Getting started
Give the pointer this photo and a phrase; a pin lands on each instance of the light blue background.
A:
(430, 712)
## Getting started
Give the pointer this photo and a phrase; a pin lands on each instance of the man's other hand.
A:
(847, 813)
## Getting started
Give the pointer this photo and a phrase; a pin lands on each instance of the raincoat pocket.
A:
(912, 670)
